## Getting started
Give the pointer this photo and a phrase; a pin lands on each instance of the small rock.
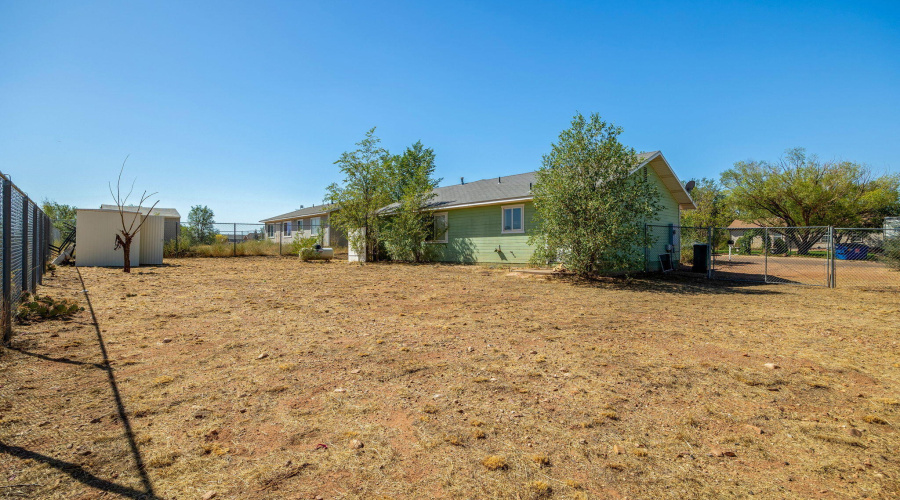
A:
(470, 349)
(754, 429)
(854, 432)
(730, 454)
(533, 352)
(320, 497)
(166, 340)
(356, 444)
(209, 495)
(437, 396)
(339, 389)
(354, 371)
(617, 450)
(263, 356)
(95, 420)
(715, 452)
(771, 366)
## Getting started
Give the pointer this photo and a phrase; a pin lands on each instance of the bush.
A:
(298, 244)
(744, 243)
(779, 246)
(34, 307)
(891, 253)
(221, 238)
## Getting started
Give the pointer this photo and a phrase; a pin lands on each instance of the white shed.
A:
(95, 239)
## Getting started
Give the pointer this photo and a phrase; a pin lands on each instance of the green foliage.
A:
(362, 193)
(891, 253)
(745, 242)
(779, 246)
(713, 206)
(201, 221)
(58, 212)
(591, 209)
(299, 243)
(35, 307)
(409, 224)
(802, 191)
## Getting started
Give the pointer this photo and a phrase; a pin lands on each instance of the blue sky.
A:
(244, 106)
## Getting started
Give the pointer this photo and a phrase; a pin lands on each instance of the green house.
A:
(488, 221)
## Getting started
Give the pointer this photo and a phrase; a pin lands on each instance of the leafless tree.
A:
(123, 239)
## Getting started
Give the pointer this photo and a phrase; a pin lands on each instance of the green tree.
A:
(801, 191)
(713, 206)
(362, 193)
(202, 222)
(58, 212)
(591, 209)
(408, 222)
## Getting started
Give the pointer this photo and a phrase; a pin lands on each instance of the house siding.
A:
(668, 214)
(474, 235)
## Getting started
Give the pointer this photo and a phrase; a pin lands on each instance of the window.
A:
(512, 219)
(286, 228)
(270, 230)
(439, 228)
(314, 225)
(300, 226)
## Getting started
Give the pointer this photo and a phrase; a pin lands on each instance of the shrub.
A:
(744, 243)
(34, 307)
(221, 238)
(891, 253)
(779, 246)
(299, 243)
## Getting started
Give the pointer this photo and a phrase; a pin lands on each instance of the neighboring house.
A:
(739, 228)
(171, 218)
(489, 221)
(303, 223)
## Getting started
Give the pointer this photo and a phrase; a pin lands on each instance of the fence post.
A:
(709, 254)
(6, 278)
(765, 243)
(234, 238)
(832, 283)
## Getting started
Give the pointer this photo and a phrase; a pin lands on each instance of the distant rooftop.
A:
(313, 210)
(165, 212)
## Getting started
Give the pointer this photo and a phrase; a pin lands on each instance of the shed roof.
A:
(303, 212)
(165, 212)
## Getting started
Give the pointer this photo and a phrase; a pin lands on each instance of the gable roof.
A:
(517, 187)
(303, 212)
(165, 212)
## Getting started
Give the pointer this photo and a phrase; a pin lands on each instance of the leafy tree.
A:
(801, 191)
(591, 209)
(713, 206)
(409, 223)
(58, 212)
(202, 222)
(363, 192)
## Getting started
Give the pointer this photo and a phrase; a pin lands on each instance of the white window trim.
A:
(503, 209)
(447, 230)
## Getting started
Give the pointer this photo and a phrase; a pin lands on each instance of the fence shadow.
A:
(673, 283)
(75, 471)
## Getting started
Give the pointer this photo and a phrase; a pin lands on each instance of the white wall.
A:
(95, 239)
(152, 240)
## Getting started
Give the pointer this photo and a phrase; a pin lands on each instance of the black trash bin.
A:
(701, 257)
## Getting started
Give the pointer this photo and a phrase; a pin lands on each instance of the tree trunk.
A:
(126, 251)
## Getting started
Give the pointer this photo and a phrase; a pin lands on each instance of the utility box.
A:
(701, 258)
(95, 239)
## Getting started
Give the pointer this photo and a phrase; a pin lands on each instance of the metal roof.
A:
(303, 212)
(165, 212)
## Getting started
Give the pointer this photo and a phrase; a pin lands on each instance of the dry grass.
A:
(271, 378)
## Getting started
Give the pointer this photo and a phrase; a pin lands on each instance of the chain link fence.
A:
(236, 239)
(817, 256)
(24, 251)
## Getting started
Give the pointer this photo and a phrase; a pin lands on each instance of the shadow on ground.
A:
(34, 409)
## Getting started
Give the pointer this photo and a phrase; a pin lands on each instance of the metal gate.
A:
(797, 255)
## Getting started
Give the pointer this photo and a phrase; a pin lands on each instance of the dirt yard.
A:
(271, 378)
